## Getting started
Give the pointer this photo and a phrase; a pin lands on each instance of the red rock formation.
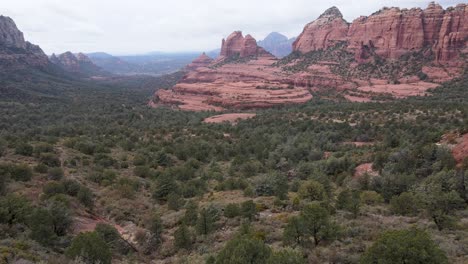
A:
(253, 84)
(202, 61)
(453, 34)
(238, 45)
(323, 33)
(392, 32)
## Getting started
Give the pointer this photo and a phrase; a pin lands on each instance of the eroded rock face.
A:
(453, 34)
(392, 32)
(253, 84)
(238, 45)
(10, 36)
(15, 52)
(323, 33)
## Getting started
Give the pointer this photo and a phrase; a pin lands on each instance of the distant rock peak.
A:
(75, 63)
(11, 38)
(332, 12)
(277, 44)
(238, 45)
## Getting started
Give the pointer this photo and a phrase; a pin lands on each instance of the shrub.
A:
(248, 209)
(286, 256)
(206, 222)
(50, 159)
(371, 198)
(43, 148)
(174, 202)
(14, 209)
(24, 149)
(61, 217)
(244, 249)
(21, 172)
(41, 168)
(317, 223)
(183, 238)
(232, 210)
(53, 188)
(404, 204)
(72, 187)
(112, 237)
(312, 190)
(404, 246)
(191, 213)
(3, 184)
(42, 227)
(142, 171)
(295, 232)
(85, 196)
(55, 174)
(90, 247)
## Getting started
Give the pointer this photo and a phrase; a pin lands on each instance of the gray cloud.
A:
(137, 26)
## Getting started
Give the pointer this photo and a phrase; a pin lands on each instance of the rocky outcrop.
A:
(202, 61)
(392, 32)
(453, 34)
(15, 52)
(76, 63)
(277, 44)
(229, 83)
(238, 45)
(10, 36)
(323, 33)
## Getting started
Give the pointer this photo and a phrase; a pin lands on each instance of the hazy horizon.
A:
(122, 28)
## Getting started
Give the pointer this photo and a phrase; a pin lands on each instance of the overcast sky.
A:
(139, 26)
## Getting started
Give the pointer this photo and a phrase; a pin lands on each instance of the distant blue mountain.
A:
(277, 44)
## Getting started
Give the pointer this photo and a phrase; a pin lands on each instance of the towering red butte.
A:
(238, 45)
(391, 32)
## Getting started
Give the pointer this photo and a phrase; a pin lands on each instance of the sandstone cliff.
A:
(323, 33)
(392, 32)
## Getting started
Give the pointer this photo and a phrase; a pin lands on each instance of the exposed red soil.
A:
(231, 118)
(362, 169)
(460, 150)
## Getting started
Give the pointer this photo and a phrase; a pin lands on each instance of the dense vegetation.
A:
(94, 175)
